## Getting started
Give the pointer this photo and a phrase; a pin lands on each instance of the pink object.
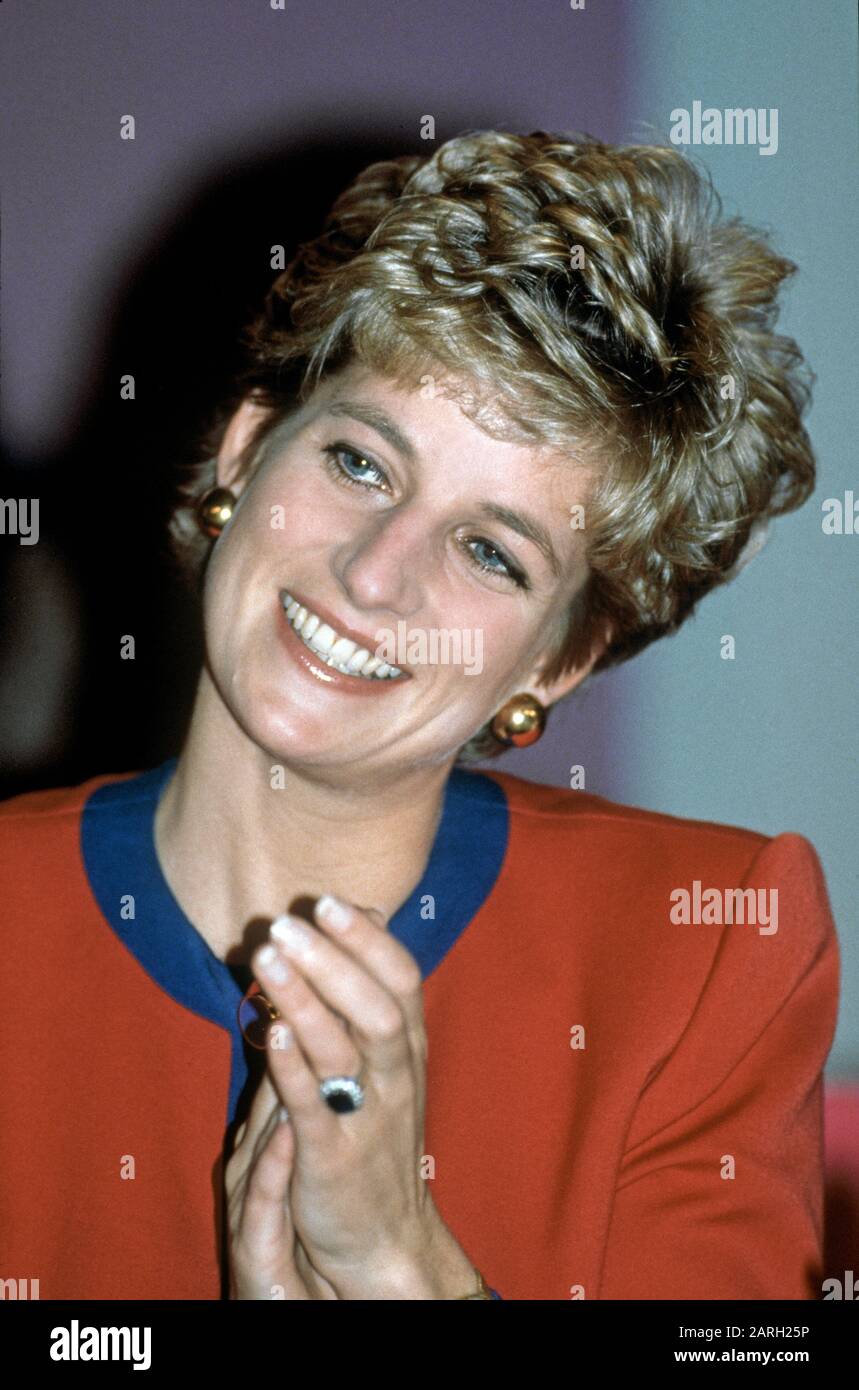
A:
(841, 1162)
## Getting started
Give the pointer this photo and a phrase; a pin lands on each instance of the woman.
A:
(336, 1015)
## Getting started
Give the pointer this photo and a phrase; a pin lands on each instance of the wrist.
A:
(435, 1268)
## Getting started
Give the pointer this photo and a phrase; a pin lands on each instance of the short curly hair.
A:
(594, 294)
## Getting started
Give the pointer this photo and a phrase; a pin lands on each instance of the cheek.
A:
(278, 518)
(512, 649)
(506, 642)
(296, 508)
(282, 517)
(487, 656)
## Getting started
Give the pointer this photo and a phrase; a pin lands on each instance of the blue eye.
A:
(509, 571)
(343, 474)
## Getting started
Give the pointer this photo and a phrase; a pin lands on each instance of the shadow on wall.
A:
(70, 706)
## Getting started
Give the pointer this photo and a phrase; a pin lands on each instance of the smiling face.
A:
(383, 513)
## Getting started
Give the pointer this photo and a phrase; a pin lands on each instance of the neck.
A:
(238, 850)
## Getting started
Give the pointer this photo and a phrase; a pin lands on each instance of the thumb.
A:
(265, 1244)
(267, 1194)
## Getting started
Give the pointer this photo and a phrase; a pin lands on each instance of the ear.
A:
(549, 692)
(247, 418)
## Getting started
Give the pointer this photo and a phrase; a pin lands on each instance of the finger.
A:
(241, 1166)
(297, 1086)
(264, 1238)
(375, 1014)
(363, 933)
(322, 1036)
(267, 1195)
(264, 1106)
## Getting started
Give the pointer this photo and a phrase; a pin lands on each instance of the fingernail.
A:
(294, 935)
(334, 913)
(273, 965)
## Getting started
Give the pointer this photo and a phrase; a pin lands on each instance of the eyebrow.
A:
(528, 527)
(520, 522)
(377, 420)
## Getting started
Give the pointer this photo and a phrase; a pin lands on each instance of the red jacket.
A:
(620, 1104)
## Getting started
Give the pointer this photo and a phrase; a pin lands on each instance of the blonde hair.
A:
(595, 296)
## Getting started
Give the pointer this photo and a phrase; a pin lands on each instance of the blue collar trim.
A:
(125, 875)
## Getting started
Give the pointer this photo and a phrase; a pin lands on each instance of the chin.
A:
(293, 735)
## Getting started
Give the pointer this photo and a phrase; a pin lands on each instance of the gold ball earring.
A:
(520, 722)
(215, 509)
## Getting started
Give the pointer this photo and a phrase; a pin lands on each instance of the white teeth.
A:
(341, 653)
(323, 639)
(343, 650)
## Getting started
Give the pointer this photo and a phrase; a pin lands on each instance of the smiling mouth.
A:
(336, 651)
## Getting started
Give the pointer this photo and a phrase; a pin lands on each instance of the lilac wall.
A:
(211, 87)
(248, 121)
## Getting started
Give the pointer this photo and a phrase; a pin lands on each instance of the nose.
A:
(386, 564)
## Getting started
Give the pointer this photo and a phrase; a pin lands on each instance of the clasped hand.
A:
(328, 1205)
